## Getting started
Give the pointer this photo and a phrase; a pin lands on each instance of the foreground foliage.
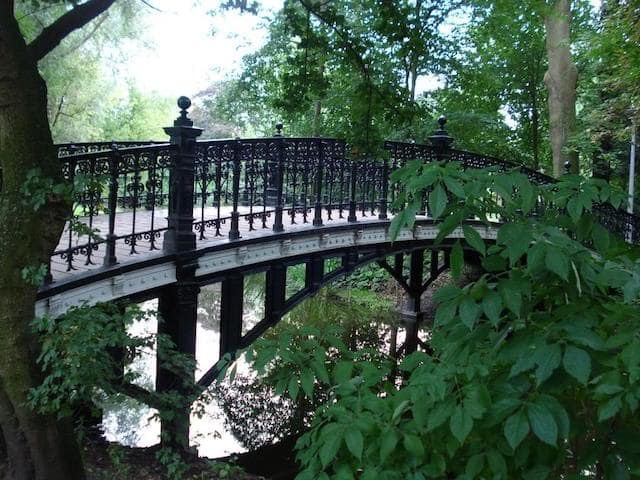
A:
(535, 367)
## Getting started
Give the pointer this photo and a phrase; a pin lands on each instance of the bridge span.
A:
(161, 220)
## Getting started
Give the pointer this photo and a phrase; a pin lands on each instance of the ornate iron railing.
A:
(111, 188)
(617, 221)
(129, 193)
(122, 195)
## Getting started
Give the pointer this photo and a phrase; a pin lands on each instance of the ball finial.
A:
(279, 127)
(183, 120)
(184, 103)
(442, 121)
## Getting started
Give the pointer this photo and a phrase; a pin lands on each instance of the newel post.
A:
(180, 237)
(178, 303)
(441, 140)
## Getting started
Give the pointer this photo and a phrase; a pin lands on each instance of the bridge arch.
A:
(214, 210)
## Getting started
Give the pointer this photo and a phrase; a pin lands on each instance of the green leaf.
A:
(293, 388)
(574, 208)
(516, 238)
(330, 448)
(342, 371)
(543, 424)
(437, 201)
(548, 358)
(460, 424)
(474, 465)
(539, 472)
(511, 295)
(445, 313)
(577, 363)
(439, 415)
(535, 257)
(601, 238)
(558, 262)
(497, 464)
(457, 260)
(354, 440)
(454, 187)
(307, 380)
(469, 311)
(609, 408)
(474, 239)
(559, 413)
(516, 428)
(494, 263)
(414, 446)
(388, 444)
(405, 218)
(447, 293)
(492, 307)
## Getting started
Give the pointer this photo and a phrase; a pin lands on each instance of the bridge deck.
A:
(144, 248)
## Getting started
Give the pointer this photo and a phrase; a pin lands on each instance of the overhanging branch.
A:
(74, 19)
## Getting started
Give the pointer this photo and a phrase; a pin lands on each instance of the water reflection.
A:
(134, 424)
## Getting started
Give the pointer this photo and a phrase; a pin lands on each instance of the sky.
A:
(191, 48)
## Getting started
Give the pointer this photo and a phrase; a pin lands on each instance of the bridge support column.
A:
(314, 273)
(276, 284)
(178, 303)
(412, 314)
(231, 308)
(178, 311)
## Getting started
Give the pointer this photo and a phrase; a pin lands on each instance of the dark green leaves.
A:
(558, 262)
(437, 201)
(543, 424)
(405, 218)
(457, 260)
(354, 440)
(469, 311)
(548, 358)
(516, 428)
(474, 239)
(460, 424)
(577, 363)
(492, 307)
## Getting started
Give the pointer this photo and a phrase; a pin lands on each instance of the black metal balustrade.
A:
(232, 187)
(617, 221)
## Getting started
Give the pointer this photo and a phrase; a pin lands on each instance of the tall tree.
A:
(348, 68)
(38, 446)
(561, 79)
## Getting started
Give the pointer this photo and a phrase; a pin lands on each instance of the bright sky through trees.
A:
(184, 48)
(183, 56)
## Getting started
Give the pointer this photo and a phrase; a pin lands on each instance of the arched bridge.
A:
(161, 220)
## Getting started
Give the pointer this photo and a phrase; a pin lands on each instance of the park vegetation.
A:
(533, 369)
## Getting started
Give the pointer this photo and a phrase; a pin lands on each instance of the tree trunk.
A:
(561, 79)
(39, 447)
(535, 127)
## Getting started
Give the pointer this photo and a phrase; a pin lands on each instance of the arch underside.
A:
(350, 246)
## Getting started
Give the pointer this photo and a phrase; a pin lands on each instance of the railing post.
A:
(441, 140)
(385, 190)
(279, 178)
(352, 193)
(317, 216)
(110, 247)
(234, 231)
(180, 237)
